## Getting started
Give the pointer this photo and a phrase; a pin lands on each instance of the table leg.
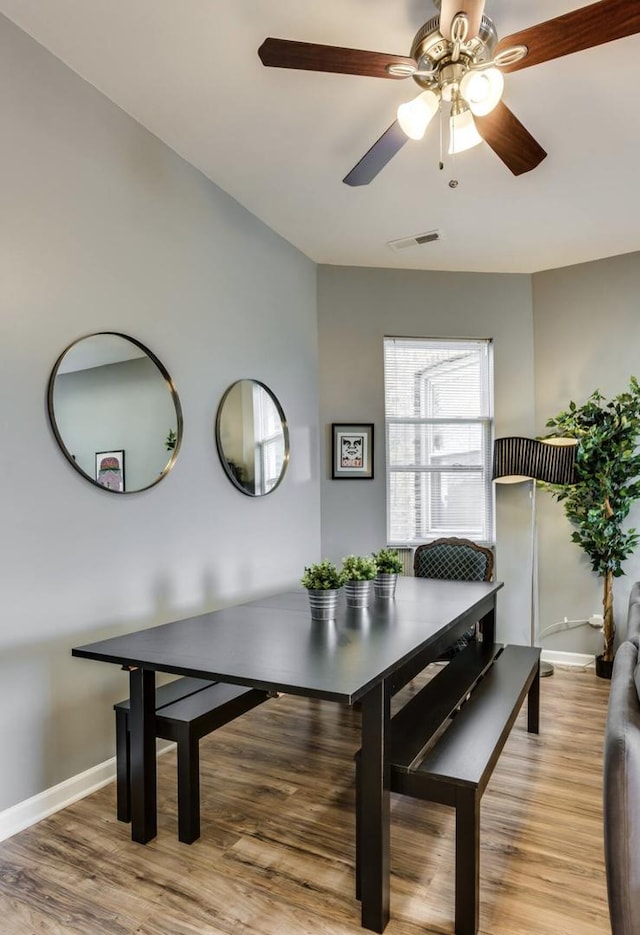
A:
(142, 733)
(375, 808)
(488, 626)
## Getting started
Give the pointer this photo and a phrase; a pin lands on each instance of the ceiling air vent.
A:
(415, 241)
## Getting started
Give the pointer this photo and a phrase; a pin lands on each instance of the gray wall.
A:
(587, 337)
(105, 228)
(356, 309)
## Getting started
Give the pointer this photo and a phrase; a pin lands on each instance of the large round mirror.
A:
(115, 412)
(252, 437)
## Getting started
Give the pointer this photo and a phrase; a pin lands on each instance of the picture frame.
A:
(109, 470)
(352, 450)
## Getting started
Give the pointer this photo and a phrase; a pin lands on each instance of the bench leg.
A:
(533, 705)
(188, 788)
(123, 766)
(467, 896)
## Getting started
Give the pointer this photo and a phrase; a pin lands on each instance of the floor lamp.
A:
(517, 459)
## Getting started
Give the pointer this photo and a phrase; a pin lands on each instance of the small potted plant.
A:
(358, 572)
(389, 565)
(323, 581)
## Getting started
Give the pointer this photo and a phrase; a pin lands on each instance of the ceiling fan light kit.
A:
(456, 57)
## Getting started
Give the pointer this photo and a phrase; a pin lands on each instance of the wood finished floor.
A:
(276, 852)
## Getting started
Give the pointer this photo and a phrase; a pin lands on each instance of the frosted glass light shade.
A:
(462, 132)
(414, 116)
(482, 90)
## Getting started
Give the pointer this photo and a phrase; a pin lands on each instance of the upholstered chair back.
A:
(454, 559)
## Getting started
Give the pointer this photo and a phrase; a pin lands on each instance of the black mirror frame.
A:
(285, 429)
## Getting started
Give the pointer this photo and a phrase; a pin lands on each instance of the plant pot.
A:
(357, 593)
(384, 585)
(323, 604)
(604, 667)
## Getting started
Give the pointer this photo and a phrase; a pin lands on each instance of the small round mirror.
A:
(252, 437)
(115, 412)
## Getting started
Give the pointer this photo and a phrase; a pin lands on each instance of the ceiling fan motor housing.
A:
(432, 52)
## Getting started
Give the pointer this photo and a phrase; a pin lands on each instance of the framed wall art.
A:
(110, 470)
(352, 451)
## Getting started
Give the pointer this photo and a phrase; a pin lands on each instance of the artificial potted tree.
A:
(389, 565)
(323, 581)
(358, 572)
(608, 483)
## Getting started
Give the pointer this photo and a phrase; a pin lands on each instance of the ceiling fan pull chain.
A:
(441, 159)
(453, 181)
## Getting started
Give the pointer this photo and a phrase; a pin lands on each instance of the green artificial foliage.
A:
(359, 568)
(322, 576)
(388, 561)
(608, 483)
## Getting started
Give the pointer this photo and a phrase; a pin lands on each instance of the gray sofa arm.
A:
(622, 793)
(633, 616)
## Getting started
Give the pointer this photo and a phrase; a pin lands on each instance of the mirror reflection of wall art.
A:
(352, 450)
(110, 469)
(252, 437)
(107, 389)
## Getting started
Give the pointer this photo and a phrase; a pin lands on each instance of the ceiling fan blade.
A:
(473, 10)
(382, 151)
(572, 32)
(286, 53)
(510, 140)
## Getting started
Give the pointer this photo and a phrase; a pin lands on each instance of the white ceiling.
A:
(280, 141)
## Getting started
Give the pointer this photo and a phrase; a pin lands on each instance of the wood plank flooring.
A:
(276, 852)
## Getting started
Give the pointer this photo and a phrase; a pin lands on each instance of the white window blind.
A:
(439, 410)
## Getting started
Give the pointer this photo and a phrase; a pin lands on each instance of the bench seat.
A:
(187, 709)
(445, 743)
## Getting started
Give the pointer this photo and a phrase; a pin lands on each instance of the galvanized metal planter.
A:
(357, 593)
(384, 585)
(324, 603)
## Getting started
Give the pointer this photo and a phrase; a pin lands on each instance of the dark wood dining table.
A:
(364, 655)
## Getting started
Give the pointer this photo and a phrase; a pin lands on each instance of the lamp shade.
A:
(415, 115)
(462, 131)
(482, 90)
(517, 459)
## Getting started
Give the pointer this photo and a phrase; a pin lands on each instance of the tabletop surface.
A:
(272, 643)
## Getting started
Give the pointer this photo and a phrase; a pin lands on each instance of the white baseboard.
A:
(581, 660)
(40, 806)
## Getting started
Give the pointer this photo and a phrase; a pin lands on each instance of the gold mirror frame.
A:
(224, 458)
(170, 387)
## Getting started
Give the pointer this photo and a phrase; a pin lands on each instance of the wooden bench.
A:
(187, 709)
(445, 742)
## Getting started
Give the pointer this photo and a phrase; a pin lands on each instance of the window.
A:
(439, 410)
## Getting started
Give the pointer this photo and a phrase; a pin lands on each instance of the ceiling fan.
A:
(456, 57)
